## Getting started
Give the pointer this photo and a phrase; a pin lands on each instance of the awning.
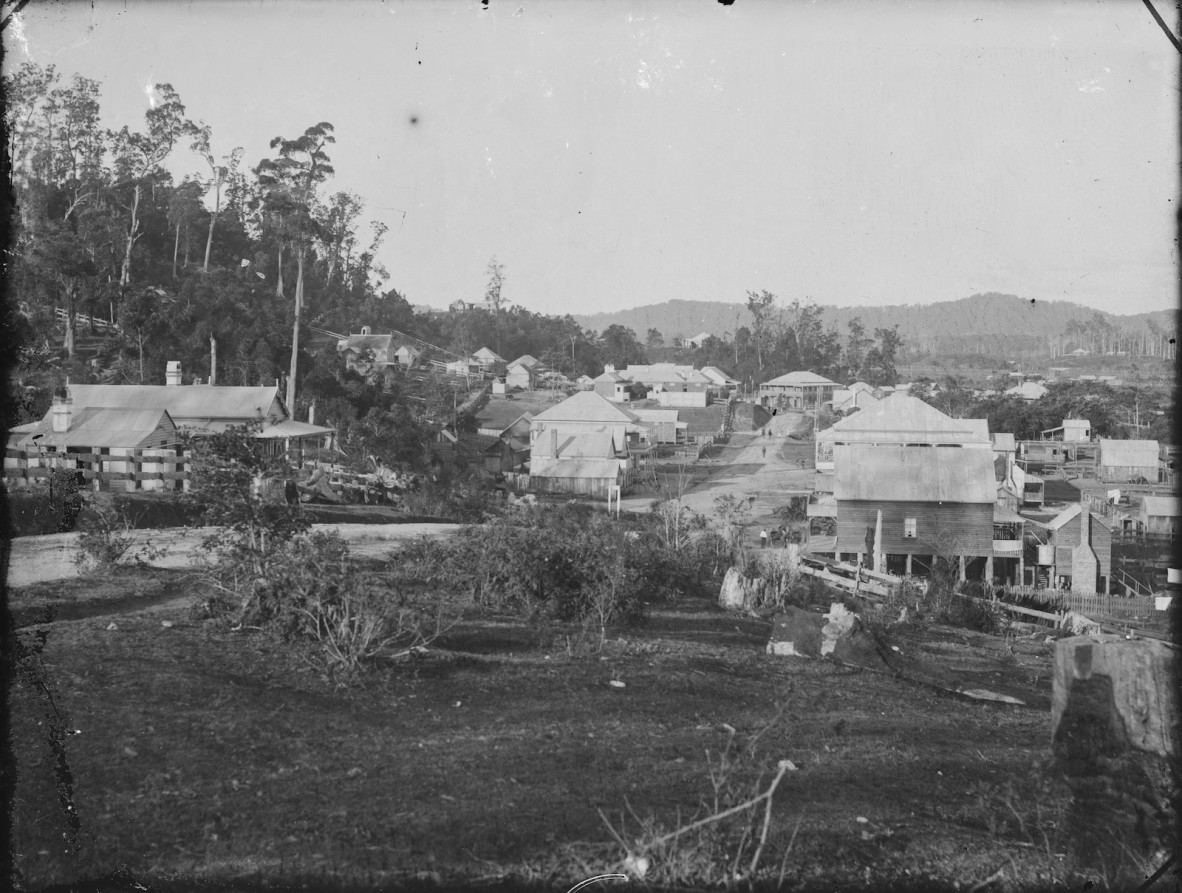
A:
(291, 429)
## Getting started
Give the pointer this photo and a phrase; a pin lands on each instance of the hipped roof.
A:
(586, 406)
(913, 474)
(802, 377)
(185, 403)
(901, 417)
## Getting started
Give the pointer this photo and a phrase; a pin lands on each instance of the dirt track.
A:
(37, 559)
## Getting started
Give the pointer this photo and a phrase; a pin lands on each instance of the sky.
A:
(617, 154)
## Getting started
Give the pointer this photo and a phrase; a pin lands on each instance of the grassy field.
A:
(186, 751)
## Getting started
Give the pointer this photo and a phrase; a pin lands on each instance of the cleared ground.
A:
(194, 752)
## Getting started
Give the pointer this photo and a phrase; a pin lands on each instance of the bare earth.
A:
(38, 559)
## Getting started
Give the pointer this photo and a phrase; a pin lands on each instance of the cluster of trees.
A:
(221, 269)
(1098, 334)
(120, 264)
(785, 338)
(1112, 411)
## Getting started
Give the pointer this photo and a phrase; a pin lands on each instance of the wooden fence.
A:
(125, 470)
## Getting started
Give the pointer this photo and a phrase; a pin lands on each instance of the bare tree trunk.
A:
(213, 359)
(279, 274)
(217, 205)
(132, 235)
(295, 331)
(176, 247)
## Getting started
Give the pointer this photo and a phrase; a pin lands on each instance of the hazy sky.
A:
(614, 154)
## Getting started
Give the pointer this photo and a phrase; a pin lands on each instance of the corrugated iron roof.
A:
(913, 474)
(1115, 453)
(900, 417)
(366, 342)
(802, 377)
(668, 416)
(586, 406)
(1004, 440)
(586, 445)
(102, 428)
(1160, 506)
(486, 353)
(291, 428)
(577, 468)
(185, 403)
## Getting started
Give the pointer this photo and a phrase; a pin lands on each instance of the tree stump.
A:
(1114, 713)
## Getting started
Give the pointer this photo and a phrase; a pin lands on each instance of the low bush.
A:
(107, 539)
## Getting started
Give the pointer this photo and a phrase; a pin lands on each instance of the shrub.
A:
(107, 540)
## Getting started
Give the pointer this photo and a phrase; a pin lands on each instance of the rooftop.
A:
(913, 474)
(187, 404)
(802, 378)
(899, 417)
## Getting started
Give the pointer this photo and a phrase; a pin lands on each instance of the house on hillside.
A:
(721, 384)
(499, 420)
(585, 383)
(408, 356)
(506, 454)
(1080, 552)
(464, 366)
(209, 409)
(1159, 515)
(366, 352)
(897, 419)
(1132, 461)
(899, 508)
(659, 376)
(519, 375)
(698, 340)
(797, 390)
(487, 357)
(113, 448)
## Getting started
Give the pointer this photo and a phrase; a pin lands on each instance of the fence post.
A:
(1114, 712)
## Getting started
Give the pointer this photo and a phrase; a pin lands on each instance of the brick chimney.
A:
(553, 443)
(172, 373)
(62, 409)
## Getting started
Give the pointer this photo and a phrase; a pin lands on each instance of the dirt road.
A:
(37, 559)
(766, 469)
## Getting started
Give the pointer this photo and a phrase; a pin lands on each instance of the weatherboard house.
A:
(901, 509)
(797, 390)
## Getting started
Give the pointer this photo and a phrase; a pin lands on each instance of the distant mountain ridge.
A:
(990, 314)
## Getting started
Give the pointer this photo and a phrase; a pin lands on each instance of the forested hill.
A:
(990, 314)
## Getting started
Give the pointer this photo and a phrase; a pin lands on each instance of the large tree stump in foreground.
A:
(1114, 717)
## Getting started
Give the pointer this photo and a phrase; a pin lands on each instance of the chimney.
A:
(172, 373)
(609, 367)
(62, 409)
(553, 443)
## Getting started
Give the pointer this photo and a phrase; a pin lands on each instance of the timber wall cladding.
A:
(952, 528)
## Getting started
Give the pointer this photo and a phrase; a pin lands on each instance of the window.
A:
(909, 528)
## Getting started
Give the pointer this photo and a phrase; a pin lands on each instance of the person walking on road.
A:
(763, 538)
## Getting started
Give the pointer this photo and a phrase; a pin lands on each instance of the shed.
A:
(1127, 460)
(1159, 515)
(1082, 549)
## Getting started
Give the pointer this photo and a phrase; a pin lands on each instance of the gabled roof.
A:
(913, 474)
(861, 386)
(900, 417)
(187, 404)
(717, 376)
(294, 429)
(1128, 452)
(365, 342)
(1028, 390)
(526, 360)
(1160, 506)
(1067, 514)
(1004, 440)
(587, 445)
(105, 428)
(802, 377)
(614, 377)
(408, 349)
(586, 406)
(486, 353)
